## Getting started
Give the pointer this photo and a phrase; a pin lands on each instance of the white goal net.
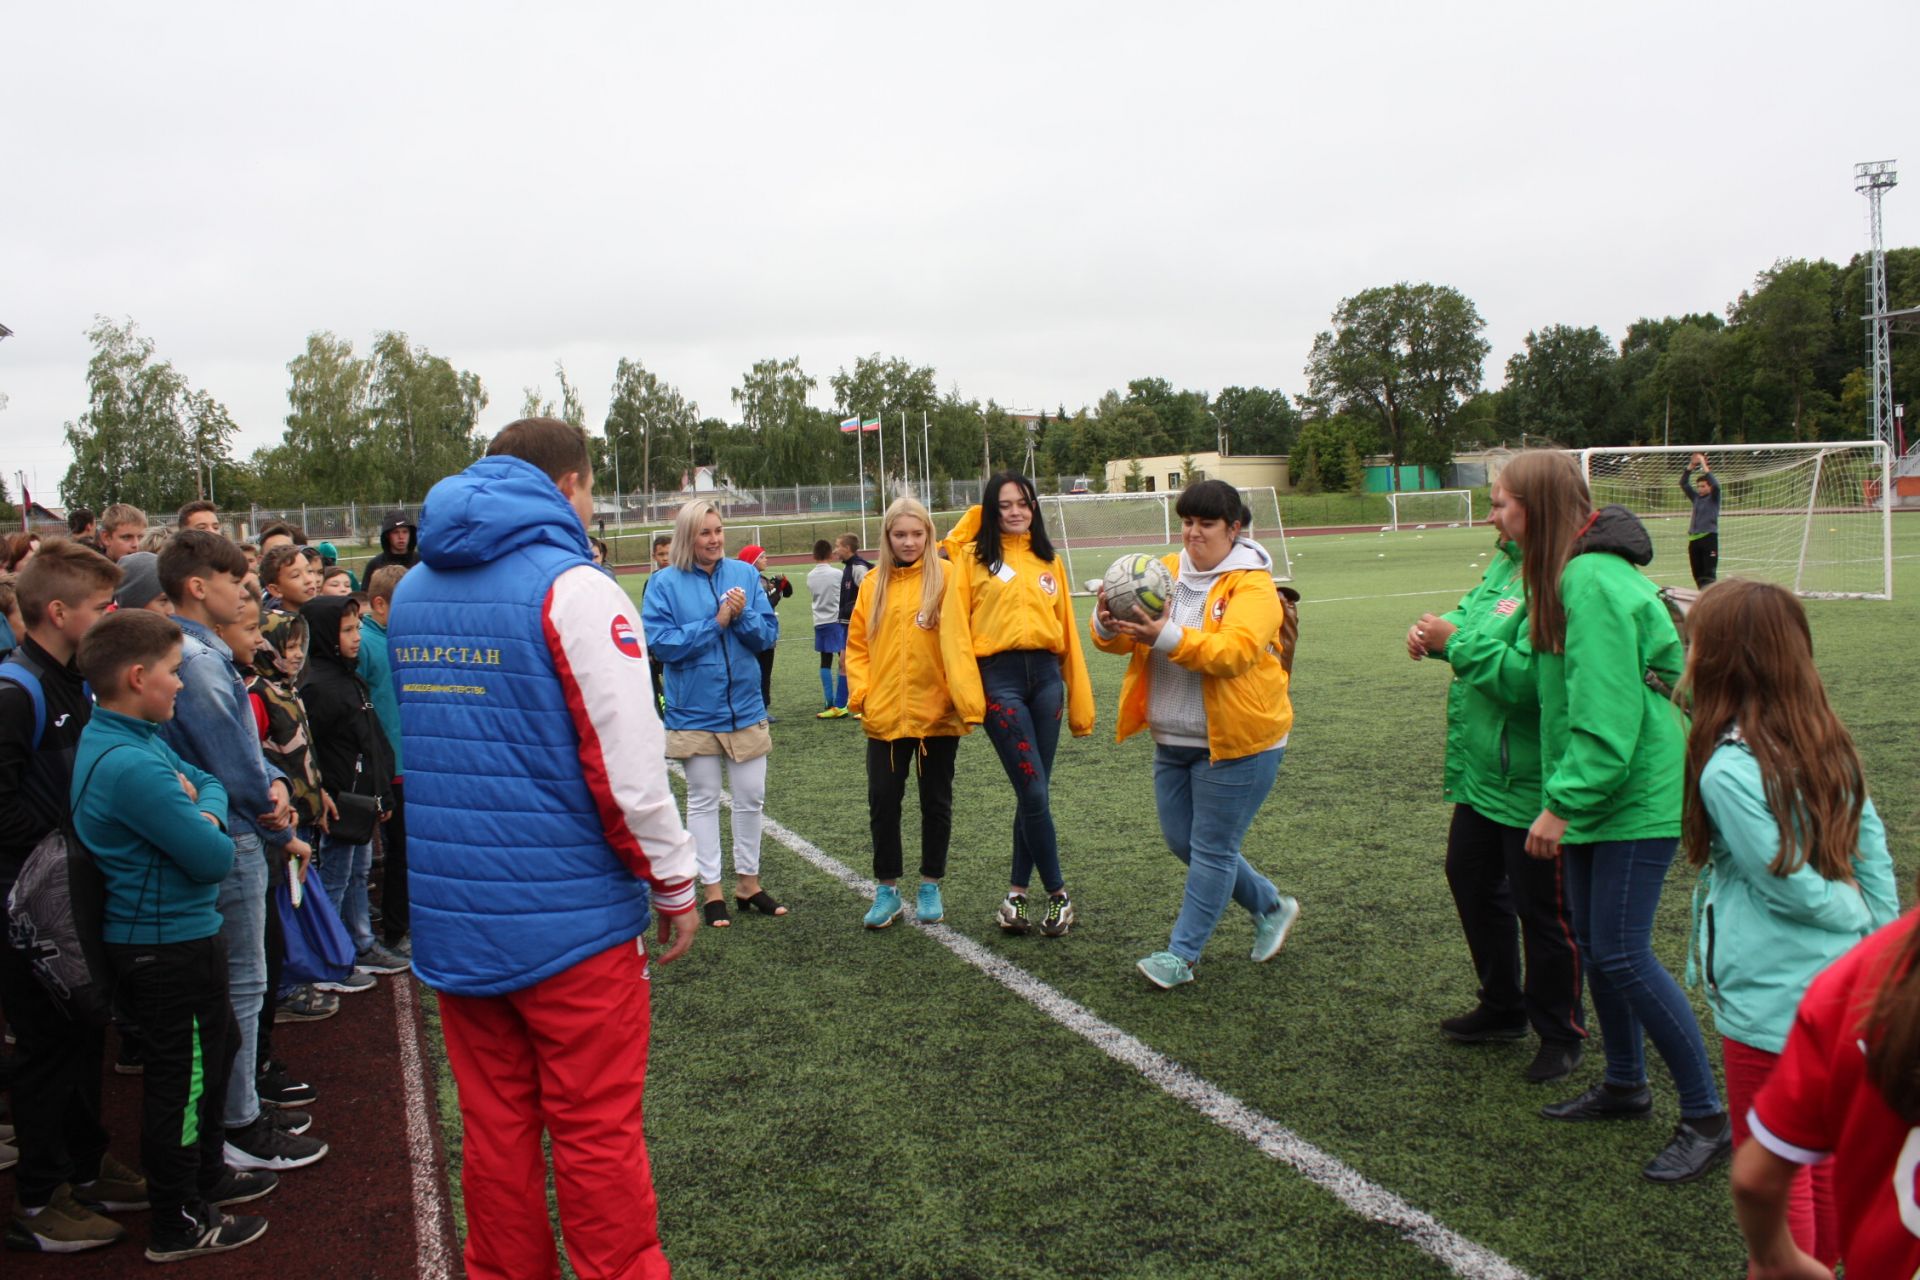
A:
(1090, 531)
(1424, 508)
(1812, 517)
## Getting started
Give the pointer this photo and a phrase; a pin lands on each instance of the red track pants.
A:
(568, 1056)
(1811, 1215)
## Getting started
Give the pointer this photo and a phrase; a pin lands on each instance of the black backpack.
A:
(56, 917)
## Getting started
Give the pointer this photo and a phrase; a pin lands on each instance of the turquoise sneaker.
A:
(928, 907)
(1166, 970)
(1270, 930)
(885, 909)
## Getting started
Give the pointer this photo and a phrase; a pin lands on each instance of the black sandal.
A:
(761, 901)
(715, 911)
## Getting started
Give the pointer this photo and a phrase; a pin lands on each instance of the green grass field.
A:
(827, 1101)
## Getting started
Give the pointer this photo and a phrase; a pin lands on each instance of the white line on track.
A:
(1374, 1203)
(429, 1228)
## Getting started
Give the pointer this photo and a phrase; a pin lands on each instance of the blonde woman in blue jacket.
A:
(1794, 859)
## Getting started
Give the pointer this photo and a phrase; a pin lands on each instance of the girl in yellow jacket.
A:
(1015, 668)
(898, 681)
(1207, 680)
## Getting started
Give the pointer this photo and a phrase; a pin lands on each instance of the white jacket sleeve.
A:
(593, 633)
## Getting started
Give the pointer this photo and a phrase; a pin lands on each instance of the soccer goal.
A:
(1423, 508)
(1816, 518)
(1090, 530)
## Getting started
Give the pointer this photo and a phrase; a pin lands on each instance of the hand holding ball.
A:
(1137, 582)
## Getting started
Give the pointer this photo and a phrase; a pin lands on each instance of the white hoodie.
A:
(1176, 711)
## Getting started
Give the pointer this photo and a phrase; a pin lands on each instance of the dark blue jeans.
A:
(1613, 890)
(1025, 696)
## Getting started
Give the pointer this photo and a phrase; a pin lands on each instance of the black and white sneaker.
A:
(277, 1089)
(1059, 917)
(237, 1186)
(354, 983)
(295, 1122)
(194, 1238)
(377, 959)
(265, 1145)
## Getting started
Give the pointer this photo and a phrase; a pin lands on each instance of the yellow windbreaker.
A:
(1025, 605)
(1236, 649)
(895, 674)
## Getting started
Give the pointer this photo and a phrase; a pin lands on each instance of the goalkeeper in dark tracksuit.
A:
(1703, 532)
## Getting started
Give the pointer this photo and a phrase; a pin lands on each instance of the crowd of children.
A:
(207, 718)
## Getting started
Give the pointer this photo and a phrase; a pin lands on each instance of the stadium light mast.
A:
(1873, 178)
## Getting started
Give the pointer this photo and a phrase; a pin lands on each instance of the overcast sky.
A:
(1042, 200)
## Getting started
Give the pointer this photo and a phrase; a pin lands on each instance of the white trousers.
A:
(749, 783)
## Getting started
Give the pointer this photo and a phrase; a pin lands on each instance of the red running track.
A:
(375, 1207)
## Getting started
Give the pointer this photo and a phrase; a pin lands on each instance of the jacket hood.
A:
(397, 520)
(493, 508)
(1244, 554)
(276, 627)
(1617, 530)
(323, 615)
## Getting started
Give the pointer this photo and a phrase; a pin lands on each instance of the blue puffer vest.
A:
(512, 880)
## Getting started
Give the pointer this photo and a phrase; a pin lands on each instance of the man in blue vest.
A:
(541, 828)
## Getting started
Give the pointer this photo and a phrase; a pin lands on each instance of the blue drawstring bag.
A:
(318, 947)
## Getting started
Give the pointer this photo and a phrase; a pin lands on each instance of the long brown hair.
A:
(1548, 484)
(1892, 1033)
(932, 571)
(1750, 664)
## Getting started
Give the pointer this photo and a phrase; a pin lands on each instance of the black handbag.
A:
(358, 814)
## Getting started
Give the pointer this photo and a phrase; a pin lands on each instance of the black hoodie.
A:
(405, 559)
(347, 739)
(1617, 530)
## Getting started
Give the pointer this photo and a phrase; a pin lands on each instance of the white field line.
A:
(429, 1227)
(1394, 595)
(1374, 1203)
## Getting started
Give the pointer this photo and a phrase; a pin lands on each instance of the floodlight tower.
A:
(1873, 178)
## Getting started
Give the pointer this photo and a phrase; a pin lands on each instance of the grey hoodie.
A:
(1176, 711)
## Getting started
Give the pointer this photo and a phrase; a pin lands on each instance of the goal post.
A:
(1816, 518)
(1420, 508)
(1090, 530)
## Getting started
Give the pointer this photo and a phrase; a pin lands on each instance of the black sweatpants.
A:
(177, 992)
(1703, 557)
(888, 764)
(395, 914)
(1496, 886)
(56, 1086)
(766, 678)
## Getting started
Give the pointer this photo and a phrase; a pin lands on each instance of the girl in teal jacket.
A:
(1794, 858)
(1611, 752)
(1505, 899)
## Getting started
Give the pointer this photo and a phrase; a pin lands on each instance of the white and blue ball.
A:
(1137, 581)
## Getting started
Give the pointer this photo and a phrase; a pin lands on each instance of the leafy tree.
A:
(1791, 313)
(1332, 442)
(323, 455)
(1406, 355)
(652, 431)
(1307, 478)
(1254, 420)
(1356, 468)
(1136, 476)
(132, 443)
(884, 387)
(1564, 385)
(425, 419)
(781, 438)
(1180, 422)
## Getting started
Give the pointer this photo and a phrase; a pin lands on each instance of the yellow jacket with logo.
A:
(1236, 649)
(896, 675)
(1023, 605)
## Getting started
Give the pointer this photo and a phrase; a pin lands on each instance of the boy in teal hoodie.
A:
(155, 827)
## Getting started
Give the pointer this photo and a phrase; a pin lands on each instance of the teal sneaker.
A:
(928, 907)
(1270, 930)
(885, 909)
(1165, 970)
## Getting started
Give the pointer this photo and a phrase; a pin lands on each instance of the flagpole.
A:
(880, 436)
(926, 460)
(906, 458)
(860, 483)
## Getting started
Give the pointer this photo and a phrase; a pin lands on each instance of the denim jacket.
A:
(213, 729)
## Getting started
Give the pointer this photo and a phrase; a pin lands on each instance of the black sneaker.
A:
(265, 1145)
(1603, 1102)
(277, 1089)
(193, 1237)
(1690, 1153)
(237, 1186)
(295, 1122)
(1556, 1060)
(1483, 1025)
(132, 1058)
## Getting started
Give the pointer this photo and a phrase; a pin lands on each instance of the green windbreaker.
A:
(1493, 704)
(1613, 749)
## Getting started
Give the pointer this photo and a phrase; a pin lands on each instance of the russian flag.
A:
(849, 425)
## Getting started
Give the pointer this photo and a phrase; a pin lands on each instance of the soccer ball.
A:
(1137, 580)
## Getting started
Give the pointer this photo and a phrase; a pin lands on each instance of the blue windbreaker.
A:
(713, 677)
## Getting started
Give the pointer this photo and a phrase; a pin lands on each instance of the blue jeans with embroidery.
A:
(1205, 809)
(1025, 698)
(1613, 889)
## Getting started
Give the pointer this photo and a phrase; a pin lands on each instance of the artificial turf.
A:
(824, 1100)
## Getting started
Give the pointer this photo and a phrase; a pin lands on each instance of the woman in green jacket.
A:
(1794, 858)
(1612, 751)
(1505, 899)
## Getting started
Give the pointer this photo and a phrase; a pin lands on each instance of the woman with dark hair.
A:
(1014, 668)
(1612, 755)
(1207, 679)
